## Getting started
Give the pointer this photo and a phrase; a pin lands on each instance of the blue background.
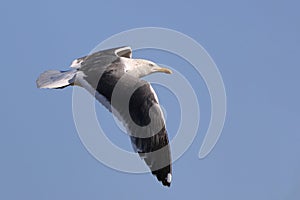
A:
(256, 47)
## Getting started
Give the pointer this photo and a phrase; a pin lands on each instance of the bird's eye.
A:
(151, 65)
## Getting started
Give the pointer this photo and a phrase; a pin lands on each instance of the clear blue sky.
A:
(256, 47)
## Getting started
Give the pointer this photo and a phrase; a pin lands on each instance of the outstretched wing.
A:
(137, 106)
(155, 150)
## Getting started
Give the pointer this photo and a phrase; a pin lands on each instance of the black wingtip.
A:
(164, 175)
(166, 183)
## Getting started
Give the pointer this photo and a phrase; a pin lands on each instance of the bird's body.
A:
(113, 77)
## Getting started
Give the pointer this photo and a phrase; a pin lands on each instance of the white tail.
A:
(56, 79)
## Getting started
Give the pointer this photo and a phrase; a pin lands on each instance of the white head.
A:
(140, 67)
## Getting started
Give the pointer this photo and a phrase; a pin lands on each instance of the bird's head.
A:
(141, 68)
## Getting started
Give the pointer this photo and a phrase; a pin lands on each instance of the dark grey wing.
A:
(143, 118)
(155, 150)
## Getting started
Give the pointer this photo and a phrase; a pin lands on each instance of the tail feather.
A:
(56, 79)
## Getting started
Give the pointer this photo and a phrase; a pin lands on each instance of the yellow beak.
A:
(164, 70)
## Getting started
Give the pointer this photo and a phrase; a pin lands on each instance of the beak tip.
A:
(166, 70)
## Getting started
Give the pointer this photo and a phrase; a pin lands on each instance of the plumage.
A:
(113, 77)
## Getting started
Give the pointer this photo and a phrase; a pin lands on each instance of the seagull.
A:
(113, 77)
